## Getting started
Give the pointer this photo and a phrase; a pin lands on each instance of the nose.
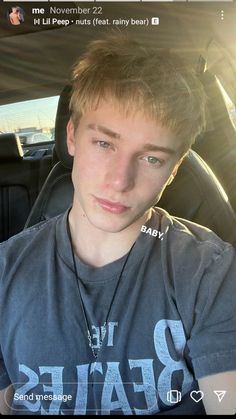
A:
(121, 175)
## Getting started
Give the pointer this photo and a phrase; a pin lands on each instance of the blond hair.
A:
(157, 82)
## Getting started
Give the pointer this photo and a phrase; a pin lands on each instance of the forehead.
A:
(109, 119)
(112, 113)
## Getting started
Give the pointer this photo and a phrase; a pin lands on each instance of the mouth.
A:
(110, 206)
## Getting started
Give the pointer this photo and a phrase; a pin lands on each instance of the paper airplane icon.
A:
(220, 394)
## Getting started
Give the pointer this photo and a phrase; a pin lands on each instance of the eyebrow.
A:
(104, 130)
(152, 147)
(146, 147)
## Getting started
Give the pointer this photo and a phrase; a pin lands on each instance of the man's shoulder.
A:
(30, 236)
(194, 259)
(23, 256)
(187, 236)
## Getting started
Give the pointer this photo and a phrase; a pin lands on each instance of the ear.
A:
(70, 129)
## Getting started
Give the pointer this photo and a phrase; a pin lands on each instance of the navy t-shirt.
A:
(172, 321)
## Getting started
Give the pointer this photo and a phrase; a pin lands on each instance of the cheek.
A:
(85, 171)
(153, 183)
(152, 188)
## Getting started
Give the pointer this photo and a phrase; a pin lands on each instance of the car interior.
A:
(36, 63)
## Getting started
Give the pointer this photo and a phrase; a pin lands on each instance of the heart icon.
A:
(197, 395)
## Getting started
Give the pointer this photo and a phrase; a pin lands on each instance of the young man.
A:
(117, 307)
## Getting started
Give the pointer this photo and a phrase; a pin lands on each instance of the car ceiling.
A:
(36, 61)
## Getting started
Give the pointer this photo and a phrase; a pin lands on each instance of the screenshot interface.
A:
(40, 43)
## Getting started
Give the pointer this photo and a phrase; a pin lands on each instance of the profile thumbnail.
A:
(16, 15)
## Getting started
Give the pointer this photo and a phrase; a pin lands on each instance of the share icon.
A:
(220, 394)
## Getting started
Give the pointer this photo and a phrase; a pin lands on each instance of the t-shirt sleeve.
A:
(4, 378)
(212, 342)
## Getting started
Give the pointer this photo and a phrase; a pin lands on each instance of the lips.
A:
(114, 207)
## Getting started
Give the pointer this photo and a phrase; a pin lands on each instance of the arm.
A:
(222, 381)
(6, 397)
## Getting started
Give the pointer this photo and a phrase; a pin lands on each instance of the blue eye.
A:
(103, 144)
(153, 160)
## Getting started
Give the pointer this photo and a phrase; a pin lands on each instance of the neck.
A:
(95, 247)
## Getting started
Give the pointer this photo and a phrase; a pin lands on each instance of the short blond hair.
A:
(157, 82)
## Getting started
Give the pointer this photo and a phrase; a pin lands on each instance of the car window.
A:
(32, 120)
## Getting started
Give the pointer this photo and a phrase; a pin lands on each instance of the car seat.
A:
(18, 186)
(195, 194)
(218, 145)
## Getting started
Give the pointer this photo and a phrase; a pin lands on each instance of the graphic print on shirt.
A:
(104, 383)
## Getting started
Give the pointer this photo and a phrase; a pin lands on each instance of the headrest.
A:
(62, 117)
(10, 147)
